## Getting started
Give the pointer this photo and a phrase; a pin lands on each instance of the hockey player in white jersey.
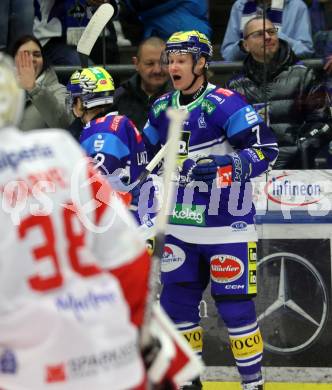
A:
(64, 323)
(73, 271)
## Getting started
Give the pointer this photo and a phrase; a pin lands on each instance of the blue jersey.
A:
(115, 144)
(221, 123)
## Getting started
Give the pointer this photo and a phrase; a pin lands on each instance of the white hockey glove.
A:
(168, 358)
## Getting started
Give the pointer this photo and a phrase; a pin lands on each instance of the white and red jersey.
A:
(64, 323)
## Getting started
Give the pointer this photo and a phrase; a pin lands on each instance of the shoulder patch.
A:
(115, 123)
(225, 92)
(160, 106)
(208, 106)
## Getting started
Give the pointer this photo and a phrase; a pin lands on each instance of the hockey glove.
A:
(211, 167)
(121, 184)
(168, 358)
(185, 172)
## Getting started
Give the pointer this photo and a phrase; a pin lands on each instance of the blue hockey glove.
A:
(185, 172)
(211, 167)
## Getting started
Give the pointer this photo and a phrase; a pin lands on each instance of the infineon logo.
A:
(225, 268)
(186, 214)
(285, 191)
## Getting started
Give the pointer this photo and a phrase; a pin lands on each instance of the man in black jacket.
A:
(286, 92)
(136, 95)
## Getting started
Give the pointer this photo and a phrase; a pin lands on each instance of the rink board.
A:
(298, 334)
(294, 305)
(268, 386)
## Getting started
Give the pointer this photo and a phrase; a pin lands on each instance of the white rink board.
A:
(294, 190)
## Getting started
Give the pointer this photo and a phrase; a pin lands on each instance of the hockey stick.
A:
(176, 362)
(172, 146)
(152, 164)
(92, 31)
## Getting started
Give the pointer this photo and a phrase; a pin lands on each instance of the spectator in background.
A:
(321, 21)
(59, 25)
(45, 104)
(165, 17)
(290, 16)
(135, 96)
(16, 19)
(296, 103)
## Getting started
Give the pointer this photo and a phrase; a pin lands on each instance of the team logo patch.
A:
(173, 257)
(225, 268)
(201, 121)
(239, 226)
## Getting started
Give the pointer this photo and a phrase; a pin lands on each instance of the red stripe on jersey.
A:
(133, 278)
(137, 133)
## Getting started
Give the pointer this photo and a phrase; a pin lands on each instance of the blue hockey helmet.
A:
(192, 42)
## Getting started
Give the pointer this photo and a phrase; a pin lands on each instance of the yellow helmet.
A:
(94, 85)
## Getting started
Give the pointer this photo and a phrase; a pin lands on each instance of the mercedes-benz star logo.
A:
(292, 302)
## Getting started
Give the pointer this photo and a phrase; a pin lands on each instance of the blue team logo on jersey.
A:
(147, 220)
(98, 143)
(8, 364)
(239, 226)
(201, 121)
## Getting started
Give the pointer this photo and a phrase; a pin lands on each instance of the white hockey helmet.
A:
(11, 95)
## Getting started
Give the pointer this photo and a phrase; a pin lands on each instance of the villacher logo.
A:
(284, 191)
(226, 268)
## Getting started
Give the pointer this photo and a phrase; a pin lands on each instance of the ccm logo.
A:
(234, 287)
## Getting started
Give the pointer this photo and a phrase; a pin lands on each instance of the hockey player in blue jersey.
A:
(112, 140)
(211, 234)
